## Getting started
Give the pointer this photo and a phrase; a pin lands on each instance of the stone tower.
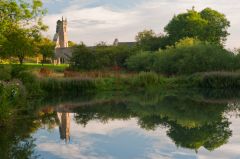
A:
(61, 36)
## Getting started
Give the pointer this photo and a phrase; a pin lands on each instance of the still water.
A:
(151, 125)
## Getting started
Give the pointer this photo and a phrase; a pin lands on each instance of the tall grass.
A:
(216, 80)
(59, 86)
(145, 79)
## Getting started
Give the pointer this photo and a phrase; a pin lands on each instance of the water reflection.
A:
(172, 124)
(64, 126)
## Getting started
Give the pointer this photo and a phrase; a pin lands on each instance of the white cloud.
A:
(99, 140)
(93, 23)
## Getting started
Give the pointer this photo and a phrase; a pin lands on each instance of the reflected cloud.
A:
(163, 126)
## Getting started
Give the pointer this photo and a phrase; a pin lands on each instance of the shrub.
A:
(11, 95)
(83, 58)
(188, 57)
(196, 58)
(31, 83)
(5, 72)
(142, 61)
(17, 69)
(99, 57)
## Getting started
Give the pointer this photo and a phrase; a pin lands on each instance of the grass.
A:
(216, 80)
(63, 85)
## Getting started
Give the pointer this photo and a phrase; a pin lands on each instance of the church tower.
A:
(61, 36)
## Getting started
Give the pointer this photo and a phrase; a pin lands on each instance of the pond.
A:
(176, 124)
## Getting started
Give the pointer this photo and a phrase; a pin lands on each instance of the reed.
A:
(63, 85)
(216, 80)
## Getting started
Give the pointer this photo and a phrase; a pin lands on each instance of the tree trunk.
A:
(44, 60)
(20, 58)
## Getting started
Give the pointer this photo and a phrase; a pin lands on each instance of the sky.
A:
(99, 140)
(92, 21)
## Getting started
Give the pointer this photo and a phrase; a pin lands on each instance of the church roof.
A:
(130, 44)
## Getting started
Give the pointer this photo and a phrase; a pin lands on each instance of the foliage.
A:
(191, 121)
(10, 95)
(99, 57)
(21, 25)
(30, 82)
(187, 57)
(19, 44)
(83, 58)
(46, 48)
(200, 57)
(146, 79)
(216, 80)
(142, 61)
(5, 74)
(27, 14)
(207, 25)
(148, 40)
(71, 44)
(59, 86)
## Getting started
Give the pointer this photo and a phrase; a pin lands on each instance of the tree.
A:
(21, 13)
(207, 25)
(19, 44)
(46, 48)
(145, 38)
(148, 40)
(24, 16)
(216, 30)
(71, 44)
(83, 58)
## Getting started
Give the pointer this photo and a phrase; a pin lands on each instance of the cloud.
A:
(92, 21)
(125, 137)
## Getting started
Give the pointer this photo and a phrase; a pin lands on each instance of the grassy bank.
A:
(19, 85)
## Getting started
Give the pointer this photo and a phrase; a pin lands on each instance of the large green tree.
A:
(19, 44)
(46, 48)
(207, 25)
(24, 16)
(148, 40)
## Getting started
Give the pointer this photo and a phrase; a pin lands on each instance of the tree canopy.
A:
(21, 25)
(148, 40)
(207, 25)
(19, 44)
(46, 48)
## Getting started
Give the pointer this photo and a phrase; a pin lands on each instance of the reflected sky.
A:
(119, 139)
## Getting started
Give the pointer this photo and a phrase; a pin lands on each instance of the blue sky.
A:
(92, 21)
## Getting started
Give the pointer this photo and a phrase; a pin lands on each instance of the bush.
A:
(5, 72)
(17, 69)
(31, 83)
(99, 57)
(196, 58)
(83, 59)
(142, 61)
(187, 57)
(11, 95)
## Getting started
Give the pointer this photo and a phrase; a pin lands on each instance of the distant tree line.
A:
(193, 42)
